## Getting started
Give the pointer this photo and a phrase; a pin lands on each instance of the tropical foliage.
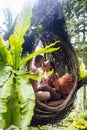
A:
(17, 99)
(83, 72)
(79, 123)
(76, 18)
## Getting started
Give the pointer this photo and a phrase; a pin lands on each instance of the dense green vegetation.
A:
(17, 99)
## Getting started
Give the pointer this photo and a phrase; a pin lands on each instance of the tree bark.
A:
(81, 83)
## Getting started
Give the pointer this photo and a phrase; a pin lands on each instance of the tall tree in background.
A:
(76, 17)
(9, 22)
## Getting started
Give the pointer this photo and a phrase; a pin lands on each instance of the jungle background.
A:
(75, 13)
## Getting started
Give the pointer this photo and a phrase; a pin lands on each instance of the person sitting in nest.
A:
(34, 66)
(64, 84)
(59, 87)
(46, 84)
(37, 63)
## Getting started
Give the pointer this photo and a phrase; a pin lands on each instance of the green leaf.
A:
(83, 72)
(5, 92)
(24, 20)
(51, 50)
(16, 47)
(5, 72)
(48, 74)
(26, 75)
(47, 49)
(17, 39)
(27, 101)
(4, 53)
(12, 116)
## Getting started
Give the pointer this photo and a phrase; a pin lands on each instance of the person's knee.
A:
(43, 96)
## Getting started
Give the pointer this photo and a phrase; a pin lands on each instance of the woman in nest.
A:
(53, 86)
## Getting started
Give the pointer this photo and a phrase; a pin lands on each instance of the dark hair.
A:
(52, 65)
(38, 58)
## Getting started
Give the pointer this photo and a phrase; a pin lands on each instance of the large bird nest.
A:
(48, 14)
(65, 61)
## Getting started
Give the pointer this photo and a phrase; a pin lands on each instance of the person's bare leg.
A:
(54, 103)
(43, 95)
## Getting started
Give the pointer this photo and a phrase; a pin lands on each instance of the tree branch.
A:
(81, 83)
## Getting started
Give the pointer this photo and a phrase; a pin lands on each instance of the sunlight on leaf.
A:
(83, 71)
(5, 53)
(47, 49)
(17, 39)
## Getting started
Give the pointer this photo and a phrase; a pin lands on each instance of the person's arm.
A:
(34, 84)
(35, 72)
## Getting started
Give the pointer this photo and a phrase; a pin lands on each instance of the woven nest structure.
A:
(65, 61)
(48, 14)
